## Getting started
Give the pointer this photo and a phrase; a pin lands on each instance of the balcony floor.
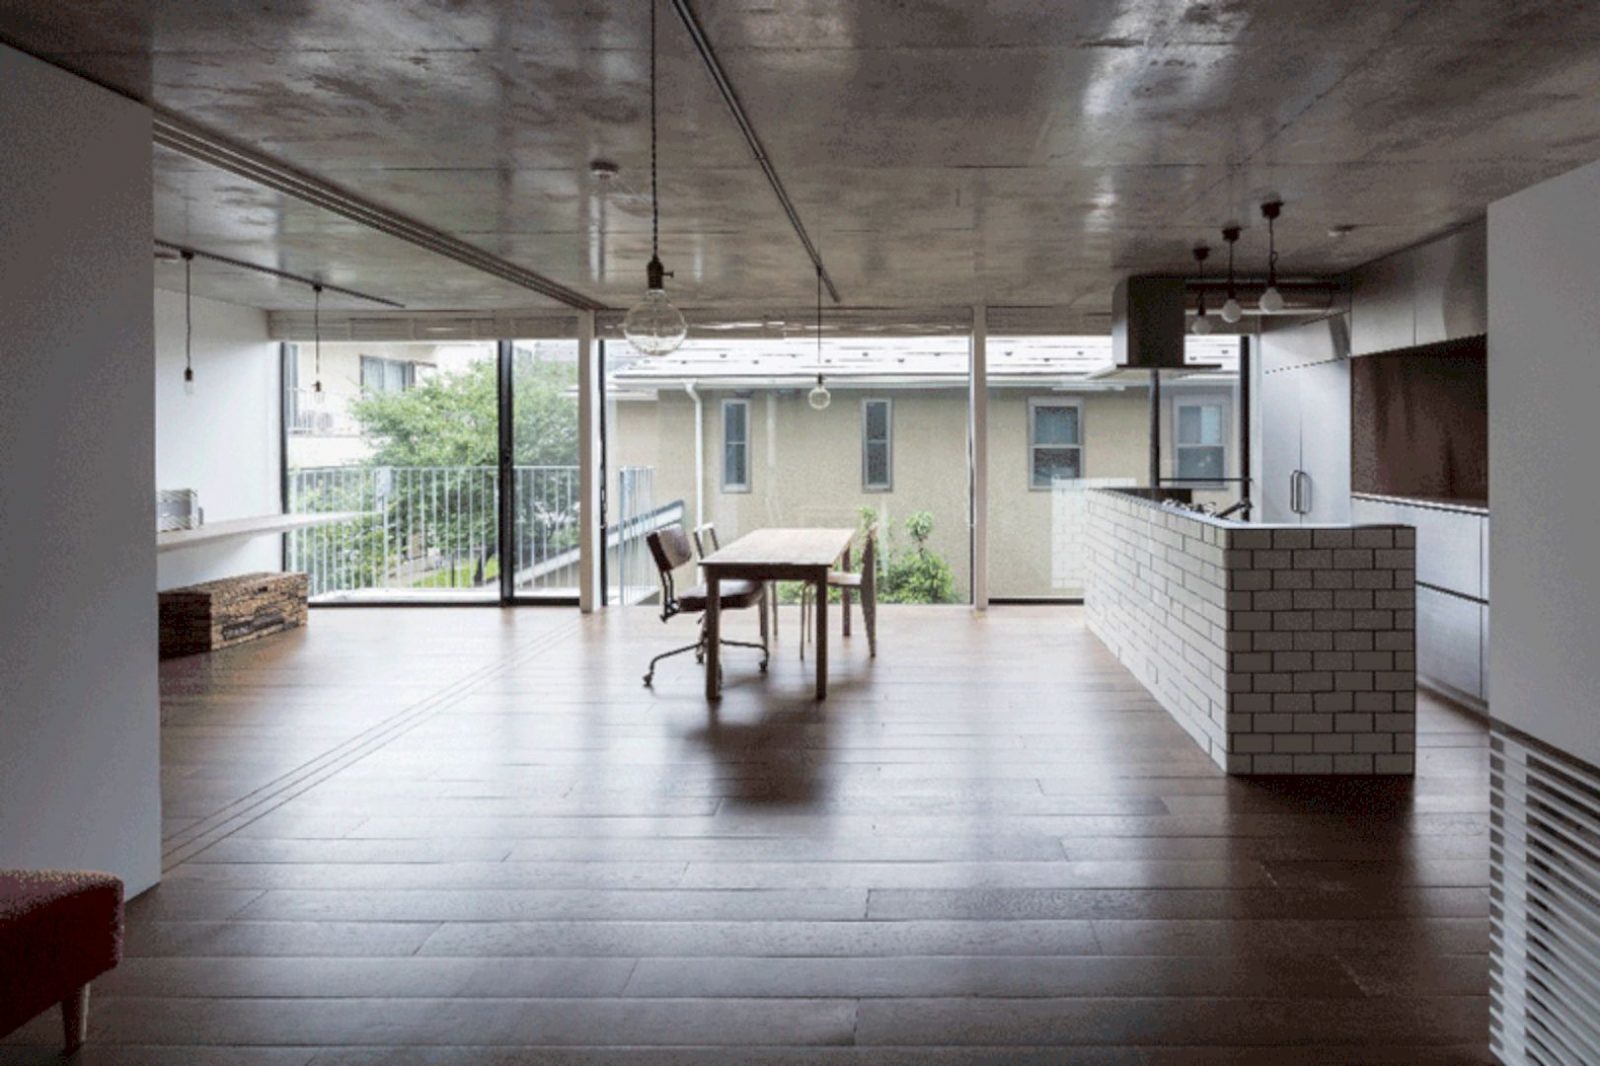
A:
(470, 831)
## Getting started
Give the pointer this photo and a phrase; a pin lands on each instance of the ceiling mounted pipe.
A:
(702, 44)
(171, 132)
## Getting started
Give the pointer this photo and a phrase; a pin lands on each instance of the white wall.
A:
(1544, 441)
(224, 440)
(79, 720)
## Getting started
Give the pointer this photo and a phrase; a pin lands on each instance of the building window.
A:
(735, 445)
(386, 375)
(877, 449)
(1201, 453)
(1055, 442)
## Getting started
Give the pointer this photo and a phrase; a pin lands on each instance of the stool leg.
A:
(75, 1019)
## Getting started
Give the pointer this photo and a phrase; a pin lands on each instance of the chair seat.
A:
(734, 595)
(844, 579)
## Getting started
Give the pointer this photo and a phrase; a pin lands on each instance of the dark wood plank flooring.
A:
(471, 836)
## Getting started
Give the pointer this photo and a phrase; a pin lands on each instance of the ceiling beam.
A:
(178, 135)
(697, 34)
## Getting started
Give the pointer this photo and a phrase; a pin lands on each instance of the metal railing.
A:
(433, 532)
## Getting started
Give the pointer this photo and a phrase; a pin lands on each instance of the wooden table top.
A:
(783, 547)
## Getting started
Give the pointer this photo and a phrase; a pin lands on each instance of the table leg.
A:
(822, 636)
(844, 595)
(713, 634)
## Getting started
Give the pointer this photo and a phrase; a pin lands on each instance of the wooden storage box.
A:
(220, 614)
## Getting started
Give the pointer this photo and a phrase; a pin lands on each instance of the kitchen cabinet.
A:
(1452, 589)
(1304, 412)
(1452, 287)
(1424, 295)
(1450, 642)
(1383, 314)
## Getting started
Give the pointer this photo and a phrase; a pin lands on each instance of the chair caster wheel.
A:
(763, 666)
(647, 678)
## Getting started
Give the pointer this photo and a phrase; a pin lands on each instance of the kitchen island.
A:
(1282, 649)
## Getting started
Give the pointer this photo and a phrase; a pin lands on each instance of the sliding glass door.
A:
(400, 442)
(544, 473)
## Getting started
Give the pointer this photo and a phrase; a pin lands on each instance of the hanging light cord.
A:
(819, 325)
(1231, 239)
(316, 330)
(1272, 250)
(188, 316)
(655, 209)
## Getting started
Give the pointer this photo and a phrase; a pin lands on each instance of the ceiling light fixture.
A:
(654, 326)
(188, 323)
(1231, 311)
(819, 398)
(316, 335)
(1202, 324)
(1272, 299)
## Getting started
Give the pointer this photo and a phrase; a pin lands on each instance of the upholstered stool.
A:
(59, 930)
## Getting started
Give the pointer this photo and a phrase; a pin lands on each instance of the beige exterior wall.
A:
(805, 466)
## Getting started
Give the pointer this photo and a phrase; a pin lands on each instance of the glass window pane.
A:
(1188, 424)
(734, 414)
(1055, 425)
(1200, 462)
(1055, 464)
(733, 465)
(1211, 424)
(877, 420)
(878, 465)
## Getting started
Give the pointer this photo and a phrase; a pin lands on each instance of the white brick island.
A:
(1281, 649)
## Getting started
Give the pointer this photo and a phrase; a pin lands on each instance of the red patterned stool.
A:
(59, 930)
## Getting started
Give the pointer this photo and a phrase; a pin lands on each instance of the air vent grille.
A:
(1545, 886)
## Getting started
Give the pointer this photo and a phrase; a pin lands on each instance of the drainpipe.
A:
(699, 456)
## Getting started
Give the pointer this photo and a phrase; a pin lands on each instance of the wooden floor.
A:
(470, 836)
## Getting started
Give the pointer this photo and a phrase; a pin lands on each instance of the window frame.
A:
(407, 369)
(887, 485)
(1034, 403)
(1224, 405)
(727, 486)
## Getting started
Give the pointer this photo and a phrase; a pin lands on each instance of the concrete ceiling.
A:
(942, 152)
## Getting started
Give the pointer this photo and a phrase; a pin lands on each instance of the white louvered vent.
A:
(1545, 891)
(378, 329)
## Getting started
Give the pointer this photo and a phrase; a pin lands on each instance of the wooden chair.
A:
(669, 547)
(706, 533)
(863, 582)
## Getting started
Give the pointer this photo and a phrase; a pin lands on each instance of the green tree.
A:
(434, 471)
(919, 575)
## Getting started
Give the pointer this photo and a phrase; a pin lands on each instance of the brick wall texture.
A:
(1280, 649)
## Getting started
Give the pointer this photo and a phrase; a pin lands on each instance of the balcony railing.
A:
(433, 532)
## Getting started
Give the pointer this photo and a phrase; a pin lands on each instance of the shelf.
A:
(241, 528)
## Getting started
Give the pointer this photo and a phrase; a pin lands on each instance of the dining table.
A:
(765, 555)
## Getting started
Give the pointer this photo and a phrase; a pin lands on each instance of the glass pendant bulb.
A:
(188, 381)
(1231, 311)
(1272, 300)
(819, 398)
(1202, 324)
(653, 325)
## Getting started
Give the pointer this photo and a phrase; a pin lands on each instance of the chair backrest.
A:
(669, 547)
(869, 560)
(704, 534)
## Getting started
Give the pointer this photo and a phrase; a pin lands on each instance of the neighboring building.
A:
(322, 431)
(894, 439)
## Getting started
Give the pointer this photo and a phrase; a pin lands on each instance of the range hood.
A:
(1149, 320)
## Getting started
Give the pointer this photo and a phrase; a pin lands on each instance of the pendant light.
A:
(1202, 324)
(1231, 311)
(819, 398)
(654, 326)
(1272, 299)
(316, 334)
(188, 322)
